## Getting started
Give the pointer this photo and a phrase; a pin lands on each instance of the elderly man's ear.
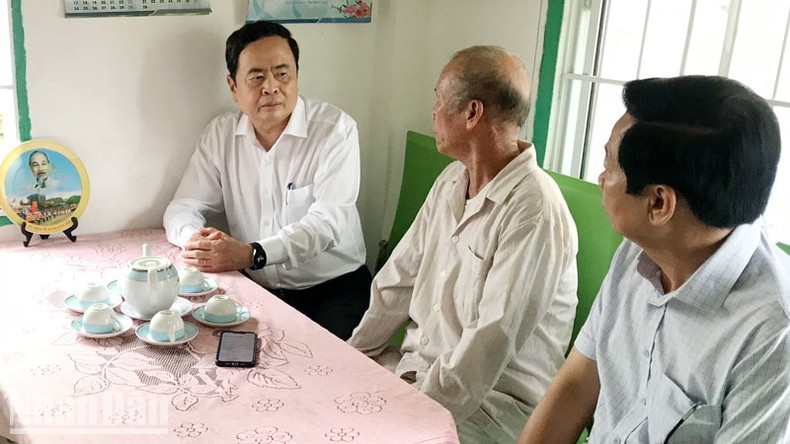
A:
(662, 203)
(474, 113)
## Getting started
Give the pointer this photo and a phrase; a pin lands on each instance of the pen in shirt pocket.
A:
(288, 188)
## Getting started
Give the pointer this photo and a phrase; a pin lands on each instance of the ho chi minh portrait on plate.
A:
(43, 184)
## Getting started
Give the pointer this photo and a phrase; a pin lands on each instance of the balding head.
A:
(493, 76)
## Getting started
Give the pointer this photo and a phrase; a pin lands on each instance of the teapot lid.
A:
(150, 263)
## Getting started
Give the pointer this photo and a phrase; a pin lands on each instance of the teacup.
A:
(191, 280)
(221, 308)
(165, 326)
(100, 318)
(93, 293)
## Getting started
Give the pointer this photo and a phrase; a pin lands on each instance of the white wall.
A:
(130, 95)
(418, 38)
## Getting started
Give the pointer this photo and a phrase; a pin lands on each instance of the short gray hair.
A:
(482, 77)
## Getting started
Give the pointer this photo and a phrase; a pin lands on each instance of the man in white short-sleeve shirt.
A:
(688, 340)
(486, 274)
(285, 171)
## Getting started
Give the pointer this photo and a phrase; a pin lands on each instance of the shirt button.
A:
(616, 441)
(436, 307)
(266, 223)
(443, 274)
(454, 239)
(643, 401)
(647, 353)
(424, 340)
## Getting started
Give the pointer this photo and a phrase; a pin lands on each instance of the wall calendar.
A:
(113, 8)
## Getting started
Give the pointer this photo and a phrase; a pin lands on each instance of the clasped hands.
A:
(211, 250)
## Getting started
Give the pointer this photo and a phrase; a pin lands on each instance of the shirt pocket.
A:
(674, 418)
(471, 281)
(297, 202)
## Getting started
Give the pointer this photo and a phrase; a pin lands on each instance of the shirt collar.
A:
(297, 123)
(500, 187)
(709, 286)
(497, 190)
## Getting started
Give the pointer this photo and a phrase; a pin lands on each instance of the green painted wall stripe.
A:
(20, 68)
(548, 66)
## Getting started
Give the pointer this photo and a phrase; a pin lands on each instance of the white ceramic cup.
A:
(221, 308)
(191, 280)
(99, 319)
(166, 326)
(92, 293)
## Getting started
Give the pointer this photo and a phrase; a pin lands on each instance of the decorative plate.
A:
(43, 184)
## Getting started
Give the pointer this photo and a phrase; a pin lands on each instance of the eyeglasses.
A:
(683, 419)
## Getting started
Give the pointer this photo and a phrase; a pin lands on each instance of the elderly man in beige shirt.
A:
(486, 275)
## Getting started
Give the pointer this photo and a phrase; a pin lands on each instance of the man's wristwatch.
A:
(258, 256)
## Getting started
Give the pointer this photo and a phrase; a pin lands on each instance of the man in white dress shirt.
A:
(688, 340)
(285, 171)
(486, 274)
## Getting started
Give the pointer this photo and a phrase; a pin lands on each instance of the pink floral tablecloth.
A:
(59, 387)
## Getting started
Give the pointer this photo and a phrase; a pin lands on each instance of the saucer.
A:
(190, 332)
(72, 303)
(181, 306)
(200, 315)
(114, 286)
(125, 321)
(210, 285)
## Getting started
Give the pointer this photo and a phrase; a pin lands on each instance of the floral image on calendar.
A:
(311, 11)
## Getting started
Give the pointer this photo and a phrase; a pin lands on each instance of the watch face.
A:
(258, 256)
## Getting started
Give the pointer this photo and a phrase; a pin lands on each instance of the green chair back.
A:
(597, 240)
(421, 166)
(784, 247)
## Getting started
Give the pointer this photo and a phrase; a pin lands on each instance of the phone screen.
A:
(237, 349)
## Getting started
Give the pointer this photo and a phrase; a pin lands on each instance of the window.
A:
(606, 43)
(9, 128)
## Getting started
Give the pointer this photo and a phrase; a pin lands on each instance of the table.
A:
(308, 386)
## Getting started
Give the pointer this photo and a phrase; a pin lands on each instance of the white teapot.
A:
(150, 284)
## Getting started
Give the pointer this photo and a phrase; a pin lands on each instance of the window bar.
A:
(585, 95)
(642, 46)
(733, 16)
(593, 99)
(692, 16)
(601, 38)
(781, 57)
(586, 78)
(560, 109)
(783, 103)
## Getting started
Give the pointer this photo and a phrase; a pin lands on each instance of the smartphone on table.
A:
(237, 349)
